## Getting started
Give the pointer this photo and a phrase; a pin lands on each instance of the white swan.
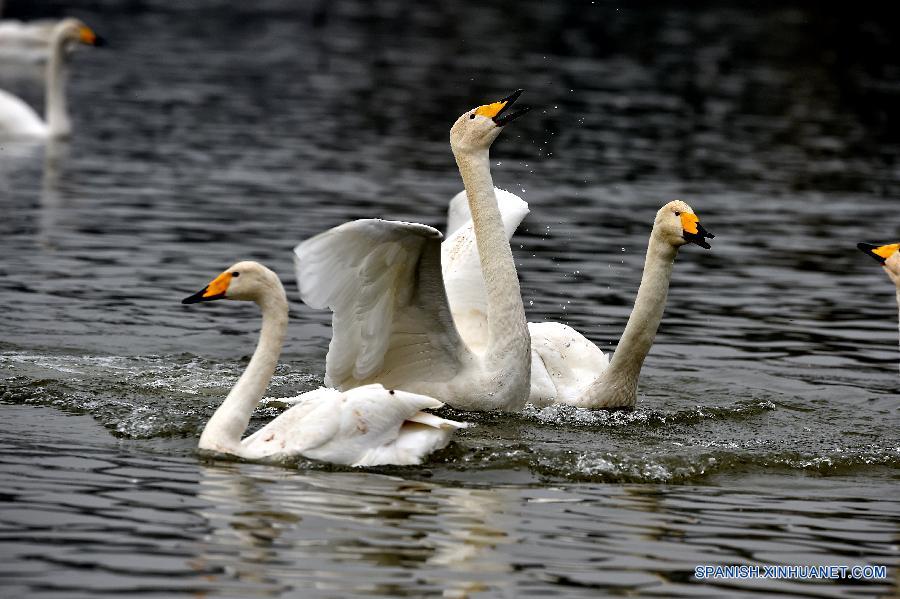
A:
(366, 426)
(26, 41)
(383, 282)
(566, 367)
(17, 119)
(889, 257)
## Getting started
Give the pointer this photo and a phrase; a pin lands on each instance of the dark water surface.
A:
(767, 426)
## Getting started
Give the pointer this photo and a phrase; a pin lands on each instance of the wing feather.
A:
(365, 426)
(391, 319)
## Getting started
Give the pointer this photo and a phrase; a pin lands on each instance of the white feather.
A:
(382, 281)
(461, 267)
(18, 119)
(365, 426)
(563, 361)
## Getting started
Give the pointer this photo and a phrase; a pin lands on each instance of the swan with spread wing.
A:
(391, 320)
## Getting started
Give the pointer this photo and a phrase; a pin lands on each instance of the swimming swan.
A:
(889, 257)
(26, 41)
(366, 426)
(17, 119)
(391, 321)
(566, 367)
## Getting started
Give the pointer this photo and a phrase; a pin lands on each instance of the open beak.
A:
(215, 290)
(499, 111)
(693, 231)
(879, 252)
(504, 117)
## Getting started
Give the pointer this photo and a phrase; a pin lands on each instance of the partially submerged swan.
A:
(18, 119)
(566, 367)
(889, 257)
(392, 323)
(365, 426)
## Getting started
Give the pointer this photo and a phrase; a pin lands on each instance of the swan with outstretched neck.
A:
(365, 426)
(889, 258)
(391, 320)
(17, 119)
(566, 367)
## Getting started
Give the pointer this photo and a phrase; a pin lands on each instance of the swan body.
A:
(391, 320)
(566, 368)
(26, 41)
(889, 258)
(17, 119)
(364, 426)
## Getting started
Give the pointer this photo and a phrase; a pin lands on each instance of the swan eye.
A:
(472, 116)
(677, 213)
(235, 274)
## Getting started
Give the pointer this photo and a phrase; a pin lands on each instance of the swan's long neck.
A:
(508, 338)
(617, 386)
(223, 431)
(55, 109)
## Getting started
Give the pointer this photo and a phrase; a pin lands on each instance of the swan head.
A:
(477, 129)
(75, 31)
(678, 225)
(243, 281)
(886, 255)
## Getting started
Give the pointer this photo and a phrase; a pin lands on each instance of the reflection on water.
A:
(83, 513)
(213, 131)
(368, 522)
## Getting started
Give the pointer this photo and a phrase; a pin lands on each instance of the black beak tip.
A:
(505, 118)
(197, 297)
(100, 42)
(869, 250)
(699, 238)
(511, 98)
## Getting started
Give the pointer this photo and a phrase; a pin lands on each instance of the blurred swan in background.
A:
(566, 368)
(26, 41)
(17, 119)
(889, 257)
(365, 426)
(383, 282)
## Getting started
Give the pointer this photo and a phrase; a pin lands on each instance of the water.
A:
(766, 428)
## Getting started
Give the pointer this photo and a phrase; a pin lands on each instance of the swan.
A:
(17, 119)
(566, 367)
(365, 426)
(391, 322)
(25, 41)
(889, 257)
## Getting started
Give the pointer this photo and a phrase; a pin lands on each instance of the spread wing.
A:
(391, 320)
